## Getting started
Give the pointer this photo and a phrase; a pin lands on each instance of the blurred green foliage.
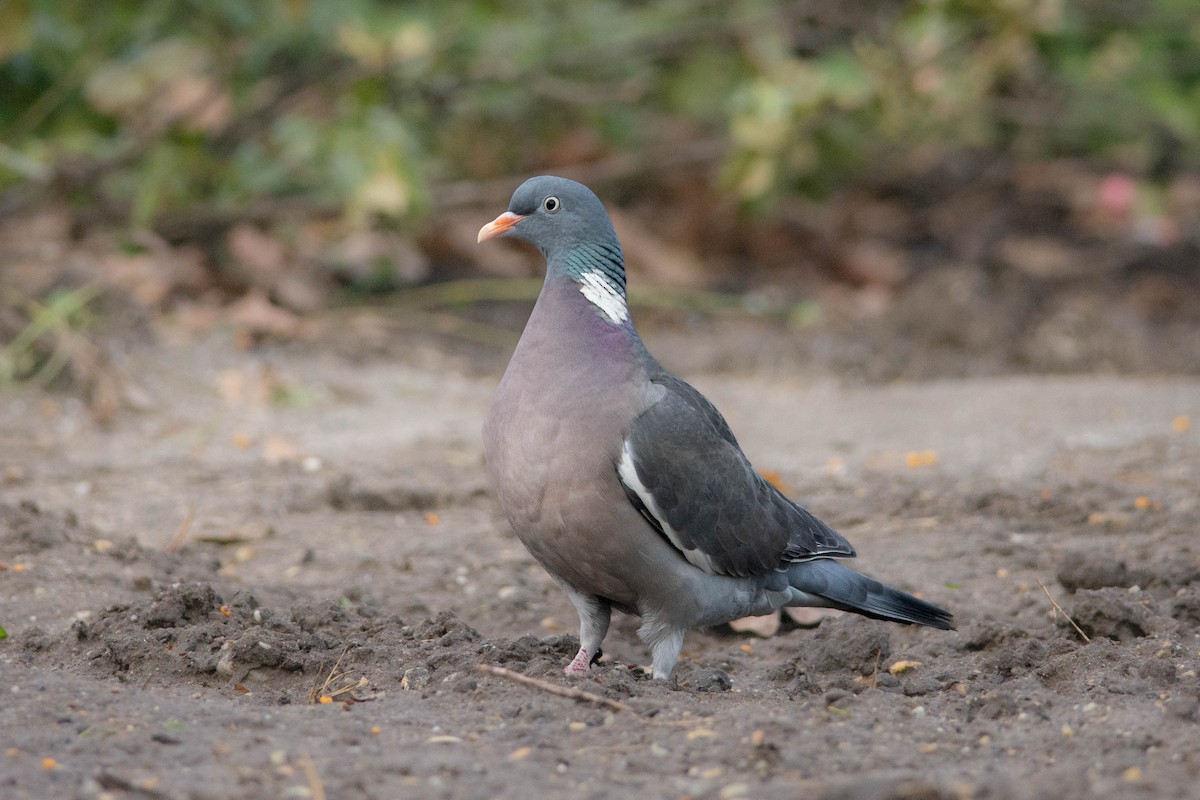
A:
(44, 347)
(363, 106)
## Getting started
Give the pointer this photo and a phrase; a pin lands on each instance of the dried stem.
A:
(181, 535)
(1059, 609)
(316, 789)
(554, 689)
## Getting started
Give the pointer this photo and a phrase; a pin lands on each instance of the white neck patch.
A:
(604, 296)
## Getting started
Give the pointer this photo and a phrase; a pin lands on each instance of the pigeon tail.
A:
(842, 587)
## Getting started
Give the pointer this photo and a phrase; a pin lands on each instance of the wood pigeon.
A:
(624, 482)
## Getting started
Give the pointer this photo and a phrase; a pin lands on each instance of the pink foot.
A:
(579, 665)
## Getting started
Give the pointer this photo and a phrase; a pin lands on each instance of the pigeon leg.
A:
(665, 642)
(594, 615)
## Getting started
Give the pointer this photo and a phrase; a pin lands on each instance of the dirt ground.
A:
(180, 588)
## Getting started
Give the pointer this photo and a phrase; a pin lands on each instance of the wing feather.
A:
(682, 468)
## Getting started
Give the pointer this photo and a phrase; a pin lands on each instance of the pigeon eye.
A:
(551, 204)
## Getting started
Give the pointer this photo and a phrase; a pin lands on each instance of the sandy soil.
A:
(180, 588)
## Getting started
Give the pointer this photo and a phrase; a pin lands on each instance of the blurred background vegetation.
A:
(291, 151)
(154, 108)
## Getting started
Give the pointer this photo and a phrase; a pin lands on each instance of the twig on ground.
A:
(550, 688)
(181, 534)
(316, 789)
(318, 693)
(1059, 609)
(875, 672)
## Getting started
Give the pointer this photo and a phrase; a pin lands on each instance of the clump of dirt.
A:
(848, 644)
(26, 529)
(1115, 614)
(1092, 569)
(1185, 608)
(189, 632)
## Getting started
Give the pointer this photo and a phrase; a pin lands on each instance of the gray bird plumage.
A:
(624, 482)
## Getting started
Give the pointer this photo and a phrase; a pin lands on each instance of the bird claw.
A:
(582, 662)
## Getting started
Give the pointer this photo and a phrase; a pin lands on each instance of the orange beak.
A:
(499, 225)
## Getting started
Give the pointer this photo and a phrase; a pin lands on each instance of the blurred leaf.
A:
(14, 28)
(845, 81)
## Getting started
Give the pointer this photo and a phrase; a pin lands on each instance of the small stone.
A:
(710, 680)
(415, 678)
(915, 687)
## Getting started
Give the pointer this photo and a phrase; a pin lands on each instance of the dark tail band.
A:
(852, 591)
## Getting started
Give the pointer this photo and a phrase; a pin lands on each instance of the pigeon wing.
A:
(682, 468)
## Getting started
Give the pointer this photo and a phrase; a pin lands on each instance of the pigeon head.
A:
(557, 216)
(569, 225)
